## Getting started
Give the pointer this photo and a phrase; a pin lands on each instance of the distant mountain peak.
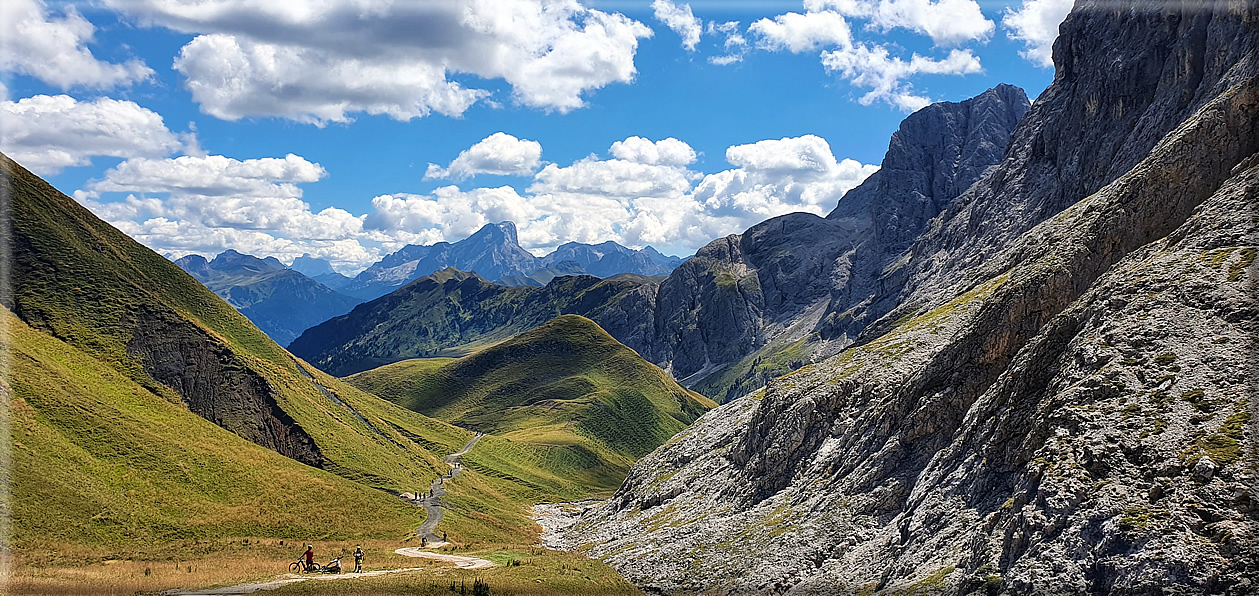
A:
(311, 266)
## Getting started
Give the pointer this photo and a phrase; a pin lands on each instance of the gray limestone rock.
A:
(1060, 398)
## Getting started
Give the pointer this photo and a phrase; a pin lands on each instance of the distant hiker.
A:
(423, 541)
(358, 559)
(310, 557)
(443, 536)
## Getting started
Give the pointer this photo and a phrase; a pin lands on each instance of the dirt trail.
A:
(285, 580)
(433, 504)
(460, 562)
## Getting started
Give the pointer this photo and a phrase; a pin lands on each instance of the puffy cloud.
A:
(449, 212)
(391, 58)
(1035, 24)
(875, 68)
(47, 133)
(54, 50)
(235, 77)
(644, 193)
(669, 152)
(871, 65)
(944, 21)
(612, 178)
(213, 175)
(681, 20)
(206, 204)
(804, 155)
(777, 177)
(806, 32)
(499, 154)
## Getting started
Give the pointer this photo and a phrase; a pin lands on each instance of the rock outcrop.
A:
(801, 278)
(1058, 393)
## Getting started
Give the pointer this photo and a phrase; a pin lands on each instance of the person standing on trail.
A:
(423, 541)
(310, 557)
(358, 559)
(443, 536)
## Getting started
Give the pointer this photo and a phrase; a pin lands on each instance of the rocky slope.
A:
(1061, 394)
(282, 302)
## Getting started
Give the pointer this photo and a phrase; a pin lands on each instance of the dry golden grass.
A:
(73, 571)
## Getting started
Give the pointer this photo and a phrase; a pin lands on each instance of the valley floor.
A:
(238, 568)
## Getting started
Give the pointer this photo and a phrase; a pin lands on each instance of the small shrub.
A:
(1164, 359)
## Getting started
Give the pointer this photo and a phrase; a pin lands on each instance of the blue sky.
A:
(309, 127)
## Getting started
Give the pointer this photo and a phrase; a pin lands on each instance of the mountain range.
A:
(281, 301)
(745, 308)
(495, 254)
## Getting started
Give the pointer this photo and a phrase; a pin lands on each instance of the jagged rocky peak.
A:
(311, 266)
(938, 152)
(1070, 411)
(230, 260)
(797, 274)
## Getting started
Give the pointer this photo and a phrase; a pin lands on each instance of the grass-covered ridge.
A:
(101, 462)
(580, 402)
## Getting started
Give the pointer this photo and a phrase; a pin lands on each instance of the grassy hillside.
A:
(98, 461)
(150, 422)
(584, 406)
(81, 281)
(451, 313)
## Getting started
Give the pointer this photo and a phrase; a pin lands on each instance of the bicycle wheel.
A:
(294, 567)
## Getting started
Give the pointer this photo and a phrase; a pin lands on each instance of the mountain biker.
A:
(358, 559)
(310, 557)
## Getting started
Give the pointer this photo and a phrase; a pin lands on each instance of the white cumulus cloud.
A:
(669, 152)
(1035, 23)
(873, 67)
(47, 133)
(390, 58)
(944, 21)
(806, 32)
(828, 25)
(499, 154)
(778, 176)
(681, 20)
(54, 49)
(643, 192)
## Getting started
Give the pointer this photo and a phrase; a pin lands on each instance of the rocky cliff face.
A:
(1061, 397)
(799, 276)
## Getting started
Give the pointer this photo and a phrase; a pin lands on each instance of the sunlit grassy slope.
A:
(565, 397)
(100, 461)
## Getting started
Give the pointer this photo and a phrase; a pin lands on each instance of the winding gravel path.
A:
(460, 562)
(433, 504)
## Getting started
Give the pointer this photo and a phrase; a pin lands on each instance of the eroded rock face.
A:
(1071, 413)
(794, 275)
(215, 384)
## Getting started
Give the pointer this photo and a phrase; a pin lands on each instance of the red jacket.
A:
(310, 556)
